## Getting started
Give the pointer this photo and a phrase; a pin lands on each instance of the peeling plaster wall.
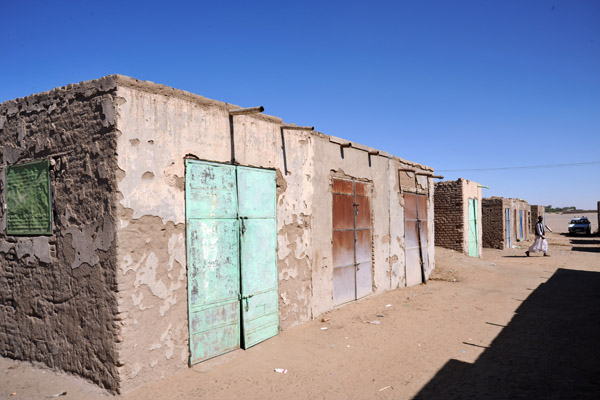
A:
(57, 293)
(158, 128)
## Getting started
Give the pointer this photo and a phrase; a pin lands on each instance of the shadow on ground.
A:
(549, 350)
(585, 242)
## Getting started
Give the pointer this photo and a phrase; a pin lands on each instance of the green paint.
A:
(473, 229)
(232, 257)
(212, 260)
(257, 196)
(28, 200)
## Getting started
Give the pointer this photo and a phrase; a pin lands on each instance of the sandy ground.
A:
(504, 326)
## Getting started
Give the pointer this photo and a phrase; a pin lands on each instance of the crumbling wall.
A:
(57, 292)
(493, 223)
(159, 127)
(449, 212)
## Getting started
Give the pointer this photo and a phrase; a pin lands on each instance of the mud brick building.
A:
(505, 222)
(458, 216)
(144, 228)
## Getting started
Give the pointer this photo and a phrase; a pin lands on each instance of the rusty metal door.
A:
(258, 254)
(212, 259)
(415, 234)
(352, 254)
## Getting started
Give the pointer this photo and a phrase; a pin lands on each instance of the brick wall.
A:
(493, 222)
(57, 292)
(449, 210)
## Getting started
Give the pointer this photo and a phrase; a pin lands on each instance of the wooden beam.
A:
(245, 111)
(298, 128)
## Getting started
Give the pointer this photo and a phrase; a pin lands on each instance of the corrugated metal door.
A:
(415, 234)
(507, 224)
(351, 209)
(212, 259)
(258, 238)
(473, 229)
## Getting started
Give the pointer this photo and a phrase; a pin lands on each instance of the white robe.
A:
(540, 244)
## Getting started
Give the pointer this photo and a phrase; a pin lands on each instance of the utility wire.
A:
(523, 167)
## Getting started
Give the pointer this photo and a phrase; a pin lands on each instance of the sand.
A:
(503, 326)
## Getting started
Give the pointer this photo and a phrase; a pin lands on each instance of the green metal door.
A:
(258, 239)
(232, 257)
(473, 229)
(212, 259)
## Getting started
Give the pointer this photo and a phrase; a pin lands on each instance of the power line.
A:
(523, 167)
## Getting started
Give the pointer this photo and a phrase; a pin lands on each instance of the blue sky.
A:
(451, 84)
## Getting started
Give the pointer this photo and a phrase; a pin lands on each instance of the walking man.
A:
(540, 243)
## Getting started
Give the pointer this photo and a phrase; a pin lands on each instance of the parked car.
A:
(580, 225)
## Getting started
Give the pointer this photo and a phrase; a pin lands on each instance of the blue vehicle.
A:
(580, 225)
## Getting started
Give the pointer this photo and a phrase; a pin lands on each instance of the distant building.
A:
(505, 222)
(458, 216)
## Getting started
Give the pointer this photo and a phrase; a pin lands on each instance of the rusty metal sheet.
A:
(352, 253)
(342, 186)
(363, 245)
(363, 212)
(422, 207)
(410, 207)
(343, 248)
(343, 211)
(362, 189)
(344, 284)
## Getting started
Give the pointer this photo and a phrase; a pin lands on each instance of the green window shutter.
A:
(28, 203)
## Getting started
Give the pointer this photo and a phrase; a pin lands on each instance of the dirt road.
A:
(504, 326)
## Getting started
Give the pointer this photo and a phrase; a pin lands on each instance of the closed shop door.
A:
(521, 224)
(352, 254)
(415, 234)
(231, 257)
(212, 260)
(258, 237)
(507, 224)
(473, 229)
